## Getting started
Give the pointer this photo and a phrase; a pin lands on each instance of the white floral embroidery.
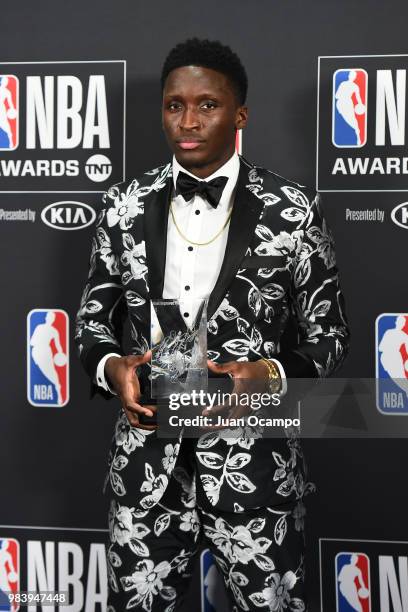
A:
(134, 256)
(225, 311)
(101, 331)
(88, 306)
(147, 580)
(188, 484)
(268, 198)
(299, 513)
(238, 545)
(169, 460)
(101, 245)
(129, 437)
(325, 244)
(189, 521)
(126, 207)
(280, 244)
(125, 532)
(238, 481)
(276, 597)
(155, 485)
(242, 436)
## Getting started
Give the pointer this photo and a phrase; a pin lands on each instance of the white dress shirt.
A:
(191, 271)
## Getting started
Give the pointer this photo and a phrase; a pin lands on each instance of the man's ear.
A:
(241, 117)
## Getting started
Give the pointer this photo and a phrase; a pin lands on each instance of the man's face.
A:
(200, 115)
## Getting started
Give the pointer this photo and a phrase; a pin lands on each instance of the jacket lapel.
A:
(155, 221)
(246, 211)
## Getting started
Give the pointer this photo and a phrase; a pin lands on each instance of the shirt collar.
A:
(230, 169)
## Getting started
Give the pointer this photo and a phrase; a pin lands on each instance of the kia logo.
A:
(68, 215)
(400, 215)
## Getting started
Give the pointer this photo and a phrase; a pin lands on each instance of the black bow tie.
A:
(212, 190)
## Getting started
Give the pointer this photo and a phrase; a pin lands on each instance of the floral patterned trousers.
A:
(151, 553)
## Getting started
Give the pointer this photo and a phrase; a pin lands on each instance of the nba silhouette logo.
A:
(392, 363)
(213, 595)
(9, 572)
(8, 112)
(349, 114)
(47, 357)
(352, 582)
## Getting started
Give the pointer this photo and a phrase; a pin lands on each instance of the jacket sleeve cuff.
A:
(100, 373)
(93, 357)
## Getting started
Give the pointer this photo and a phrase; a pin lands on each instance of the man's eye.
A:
(209, 104)
(173, 106)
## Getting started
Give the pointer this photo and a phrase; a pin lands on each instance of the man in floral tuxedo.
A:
(208, 224)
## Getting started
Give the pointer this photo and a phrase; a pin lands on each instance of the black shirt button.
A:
(197, 212)
(190, 248)
(185, 314)
(187, 287)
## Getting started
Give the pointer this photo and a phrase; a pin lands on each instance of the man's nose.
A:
(189, 119)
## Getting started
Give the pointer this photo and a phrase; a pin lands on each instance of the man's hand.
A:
(240, 369)
(248, 376)
(121, 372)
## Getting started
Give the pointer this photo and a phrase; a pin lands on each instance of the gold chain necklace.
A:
(199, 243)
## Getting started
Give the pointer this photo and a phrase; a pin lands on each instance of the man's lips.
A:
(189, 144)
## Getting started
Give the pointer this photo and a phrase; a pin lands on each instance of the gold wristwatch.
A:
(274, 379)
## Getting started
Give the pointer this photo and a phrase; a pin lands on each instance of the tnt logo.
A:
(213, 596)
(47, 357)
(352, 582)
(9, 572)
(392, 363)
(8, 112)
(98, 168)
(350, 108)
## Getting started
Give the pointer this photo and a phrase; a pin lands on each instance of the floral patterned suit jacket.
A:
(279, 263)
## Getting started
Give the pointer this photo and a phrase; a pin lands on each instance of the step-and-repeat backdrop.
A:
(79, 111)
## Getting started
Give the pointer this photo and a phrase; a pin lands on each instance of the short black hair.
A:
(208, 54)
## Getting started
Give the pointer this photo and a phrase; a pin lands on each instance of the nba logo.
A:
(352, 582)
(9, 572)
(213, 595)
(392, 363)
(349, 127)
(47, 357)
(8, 112)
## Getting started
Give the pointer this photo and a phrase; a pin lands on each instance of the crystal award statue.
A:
(179, 347)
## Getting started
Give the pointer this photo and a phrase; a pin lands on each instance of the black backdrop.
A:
(53, 459)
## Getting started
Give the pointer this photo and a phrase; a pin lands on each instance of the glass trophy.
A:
(179, 346)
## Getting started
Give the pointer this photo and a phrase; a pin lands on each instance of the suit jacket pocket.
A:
(263, 261)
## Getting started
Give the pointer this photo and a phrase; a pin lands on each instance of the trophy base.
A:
(195, 380)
